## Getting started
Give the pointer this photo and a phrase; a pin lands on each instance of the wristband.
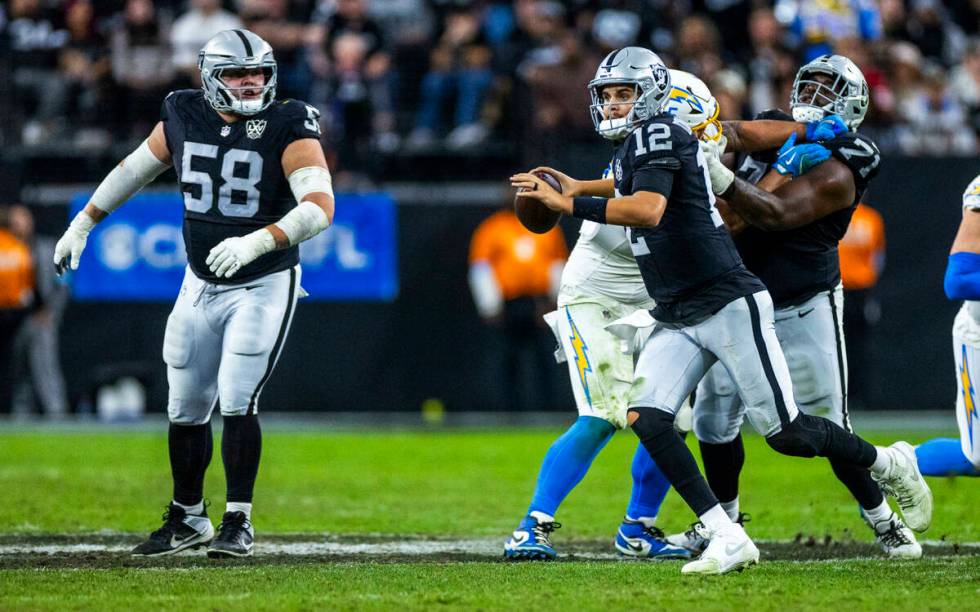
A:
(590, 209)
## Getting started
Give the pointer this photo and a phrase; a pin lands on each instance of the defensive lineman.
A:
(255, 184)
(791, 245)
(709, 308)
(946, 456)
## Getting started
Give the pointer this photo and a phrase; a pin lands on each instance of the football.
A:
(534, 215)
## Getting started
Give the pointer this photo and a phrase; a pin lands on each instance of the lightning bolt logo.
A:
(679, 96)
(969, 400)
(581, 355)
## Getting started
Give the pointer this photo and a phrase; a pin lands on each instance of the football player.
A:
(947, 456)
(791, 245)
(255, 184)
(709, 306)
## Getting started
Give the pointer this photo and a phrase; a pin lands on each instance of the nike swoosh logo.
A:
(175, 541)
(518, 538)
(804, 313)
(731, 549)
(632, 546)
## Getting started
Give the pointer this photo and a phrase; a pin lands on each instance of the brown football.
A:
(534, 215)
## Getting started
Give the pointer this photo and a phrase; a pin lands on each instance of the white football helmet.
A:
(636, 66)
(691, 101)
(846, 95)
(236, 49)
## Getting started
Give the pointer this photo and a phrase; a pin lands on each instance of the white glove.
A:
(721, 177)
(232, 254)
(72, 242)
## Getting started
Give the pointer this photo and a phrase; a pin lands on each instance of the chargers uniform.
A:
(224, 335)
(800, 267)
(966, 352)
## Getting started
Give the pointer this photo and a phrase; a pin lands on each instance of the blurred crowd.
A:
(413, 76)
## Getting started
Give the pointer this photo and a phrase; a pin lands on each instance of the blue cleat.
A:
(531, 540)
(639, 540)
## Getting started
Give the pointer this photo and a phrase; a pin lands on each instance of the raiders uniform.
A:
(709, 306)
(966, 352)
(231, 178)
(800, 267)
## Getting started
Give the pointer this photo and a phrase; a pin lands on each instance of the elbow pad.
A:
(962, 280)
(132, 174)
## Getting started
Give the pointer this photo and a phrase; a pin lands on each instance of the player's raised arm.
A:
(137, 170)
(305, 167)
(763, 134)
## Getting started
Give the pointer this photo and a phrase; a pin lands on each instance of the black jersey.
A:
(230, 175)
(689, 263)
(797, 264)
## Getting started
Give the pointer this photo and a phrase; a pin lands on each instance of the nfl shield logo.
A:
(254, 128)
(225, 131)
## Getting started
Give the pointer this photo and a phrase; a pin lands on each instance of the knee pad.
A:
(652, 423)
(801, 438)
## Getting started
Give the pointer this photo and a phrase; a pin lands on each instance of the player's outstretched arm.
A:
(763, 134)
(309, 179)
(600, 188)
(140, 167)
(641, 209)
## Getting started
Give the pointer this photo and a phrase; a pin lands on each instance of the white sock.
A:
(715, 518)
(882, 461)
(648, 521)
(882, 513)
(731, 508)
(239, 507)
(542, 517)
(196, 509)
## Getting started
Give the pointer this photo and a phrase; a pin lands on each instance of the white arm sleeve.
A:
(303, 222)
(132, 174)
(312, 179)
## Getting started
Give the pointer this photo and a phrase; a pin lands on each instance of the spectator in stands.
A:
(141, 66)
(934, 33)
(728, 88)
(86, 66)
(36, 360)
(16, 298)
(862, 259)
(514, 277)
(816, 26)
(771, 65)
(459, 73)
(965, 83)
(284, 25)
(191, 30)
(560, 91)
(698, 48)
(35, 43)
(935, 123)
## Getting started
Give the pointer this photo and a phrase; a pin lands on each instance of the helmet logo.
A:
(661, 76)
(254, 128)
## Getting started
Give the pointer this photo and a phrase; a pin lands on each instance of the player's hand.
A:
(68, 250)
(569, 186)
(232, 254)
(535, 188)
(794, 159)
(721, 177)
(828, 128)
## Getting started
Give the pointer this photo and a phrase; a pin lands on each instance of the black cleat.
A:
(235, 537)
(180, 531)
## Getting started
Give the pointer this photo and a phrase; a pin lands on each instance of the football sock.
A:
(859, 482)
(567, 461)
(731, 508)
(190, 453)
(881, 512)
(650, 487)
(655, 429)
(944, 457)
(722, 466)
(240, 507)
(195, 509)
(241, 446)
(715, 517)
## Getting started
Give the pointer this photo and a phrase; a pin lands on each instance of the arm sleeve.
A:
(963, 277)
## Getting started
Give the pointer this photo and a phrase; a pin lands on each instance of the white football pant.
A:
(966, 352)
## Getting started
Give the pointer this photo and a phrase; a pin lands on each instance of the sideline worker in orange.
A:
(17, 296)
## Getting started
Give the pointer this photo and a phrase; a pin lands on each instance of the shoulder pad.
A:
(858, 152)
(971, 197)
(774, 114)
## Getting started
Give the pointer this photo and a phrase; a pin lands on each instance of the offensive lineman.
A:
(946, 456)
(791, 245)
(709, 308)
(255, 184)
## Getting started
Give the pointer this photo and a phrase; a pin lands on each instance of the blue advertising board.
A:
(137, 253)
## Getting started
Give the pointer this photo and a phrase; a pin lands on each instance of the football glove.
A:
(797, 159)
(828, 128)
(232, 254)
(721, 177)
(69, 248)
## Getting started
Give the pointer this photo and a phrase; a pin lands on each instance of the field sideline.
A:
(417, 519)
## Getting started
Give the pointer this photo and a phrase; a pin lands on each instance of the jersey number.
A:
(863, 150)
(230, 183)
(312, 116)
(659, 139)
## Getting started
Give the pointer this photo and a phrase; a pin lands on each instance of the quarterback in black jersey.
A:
(787, 234)
(710, 307)
(255, 184)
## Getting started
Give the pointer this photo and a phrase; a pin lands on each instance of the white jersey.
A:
(602, 266)
(967, 324)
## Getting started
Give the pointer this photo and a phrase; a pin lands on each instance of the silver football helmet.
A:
(846, 95)
(646, 72)
(236, 49)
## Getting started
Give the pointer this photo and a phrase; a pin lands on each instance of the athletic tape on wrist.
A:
(303, 222)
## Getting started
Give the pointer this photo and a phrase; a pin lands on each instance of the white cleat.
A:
(729, 549)
(903, 481)
(896, 540)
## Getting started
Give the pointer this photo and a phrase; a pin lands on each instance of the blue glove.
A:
(797, 159)
(828, 128)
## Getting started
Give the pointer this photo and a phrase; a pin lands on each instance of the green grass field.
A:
(469, 486)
